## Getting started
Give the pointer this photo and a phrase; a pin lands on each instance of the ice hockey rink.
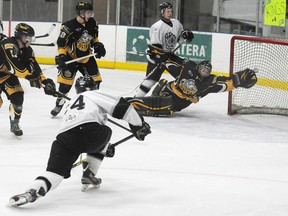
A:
(200, 162)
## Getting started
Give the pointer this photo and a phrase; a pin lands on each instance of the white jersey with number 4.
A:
(93, 106)
(165, 35)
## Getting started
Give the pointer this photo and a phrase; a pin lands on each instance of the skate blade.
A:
(89, 187)
(18, 137)
(19, 202)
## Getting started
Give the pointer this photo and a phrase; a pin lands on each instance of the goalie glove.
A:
(140, 132)
(246, 78)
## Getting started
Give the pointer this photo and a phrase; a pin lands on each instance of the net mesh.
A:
(270, 59)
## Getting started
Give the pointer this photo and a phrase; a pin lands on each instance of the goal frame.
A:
(232, 43)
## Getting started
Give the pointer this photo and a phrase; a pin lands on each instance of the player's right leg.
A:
(15, 94)
(65, 80)
(40, 186)
(153, 74)
(96, 151)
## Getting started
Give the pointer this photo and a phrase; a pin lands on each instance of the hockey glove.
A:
(140, 132)
(99, 49)
(35, 80)
(49, 87)
(110, 151)
(60, 61)
(187, 35)
(246, 78)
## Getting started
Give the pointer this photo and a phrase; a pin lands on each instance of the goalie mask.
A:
(85, 83)
(204, 68)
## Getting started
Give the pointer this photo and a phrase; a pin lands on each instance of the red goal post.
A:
(269, 57)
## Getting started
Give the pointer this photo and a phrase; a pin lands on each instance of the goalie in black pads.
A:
(82, 130)
(78, 37)
(194, 83)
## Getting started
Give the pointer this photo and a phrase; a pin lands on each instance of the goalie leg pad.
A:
(153, 106)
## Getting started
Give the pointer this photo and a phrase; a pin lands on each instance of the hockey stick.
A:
(119, 125)
(114, 144)
(71, 61)
(48, 33)
(40, 44)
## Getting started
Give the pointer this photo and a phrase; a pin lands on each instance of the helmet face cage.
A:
(22, 29)
(85, 83)
(204, 68)
(82, 7)
(165, 5)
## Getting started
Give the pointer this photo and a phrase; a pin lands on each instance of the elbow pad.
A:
(120, 108)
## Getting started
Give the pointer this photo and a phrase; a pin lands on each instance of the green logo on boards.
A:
(137, 40)
(198, 50)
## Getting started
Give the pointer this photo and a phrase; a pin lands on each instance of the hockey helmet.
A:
(165, 5)
(204, 68)
(85, 83)
(81, 7)
(22, 29)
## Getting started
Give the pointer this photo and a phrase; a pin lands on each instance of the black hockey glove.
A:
(187, 35)
(140, 132)
(110, 151)
(246, 78)
(35, 80)
(60, 61)
(49, 87)
(99, 49)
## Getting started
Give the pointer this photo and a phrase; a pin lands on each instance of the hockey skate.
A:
(57, 109)
(27, 197)
(15, 128)
(88, 180)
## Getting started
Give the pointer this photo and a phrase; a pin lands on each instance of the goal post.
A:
(269, 57)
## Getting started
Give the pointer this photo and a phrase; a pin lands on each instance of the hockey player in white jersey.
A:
(83, 130)
(164, 35)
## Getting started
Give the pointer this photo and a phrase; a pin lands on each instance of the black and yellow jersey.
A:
(17, 61)
(190, 86)
(77, 39)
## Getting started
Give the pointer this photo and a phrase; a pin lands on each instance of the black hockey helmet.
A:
(204, 68)
(85, 83)
(165, 5)
(82, 7)
(23, 29)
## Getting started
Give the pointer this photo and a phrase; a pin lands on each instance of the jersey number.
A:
(79, 103)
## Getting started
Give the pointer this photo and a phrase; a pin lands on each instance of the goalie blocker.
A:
(152, 106)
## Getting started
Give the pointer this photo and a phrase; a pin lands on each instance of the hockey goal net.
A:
(270, 58)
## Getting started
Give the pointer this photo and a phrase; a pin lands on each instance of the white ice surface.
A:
(200, 162)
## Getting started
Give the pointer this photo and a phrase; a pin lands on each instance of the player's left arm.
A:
(215, 84)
